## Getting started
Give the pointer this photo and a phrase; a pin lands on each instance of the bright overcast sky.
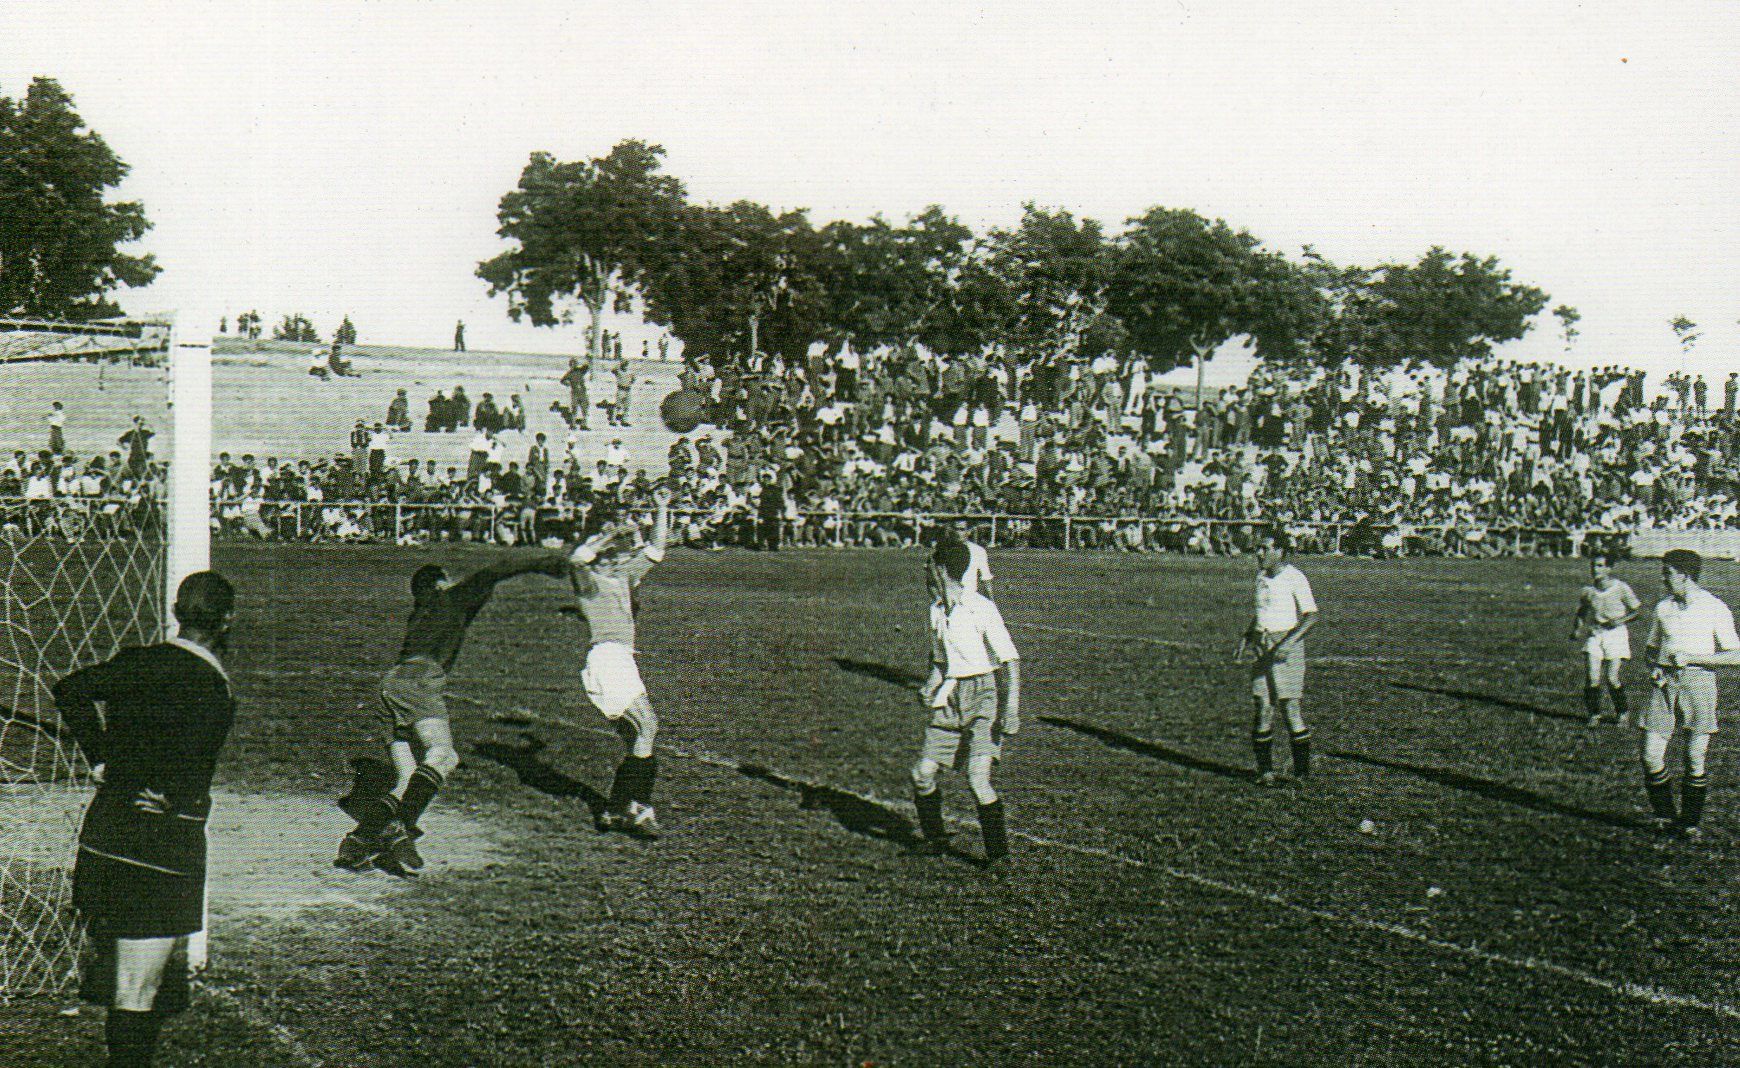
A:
(333, 158)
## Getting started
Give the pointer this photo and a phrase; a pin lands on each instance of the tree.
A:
(1442, 310)
(586, 233)
(1183, 285)
(1568, 318)
(296, 328)
(1686, 332)
(742, 280)
(59, 254)
(894, 285)
(346, 332)
(1055, 273)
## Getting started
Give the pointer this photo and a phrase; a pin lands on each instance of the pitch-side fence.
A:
(75, 518)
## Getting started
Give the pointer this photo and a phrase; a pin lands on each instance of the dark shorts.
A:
(119, 899)
(414, 690)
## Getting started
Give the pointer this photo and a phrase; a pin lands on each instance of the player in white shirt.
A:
(972, 659)
(1285, 612)
(1607, 604)
(1693, 631)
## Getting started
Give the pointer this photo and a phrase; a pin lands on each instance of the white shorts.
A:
(1614, 643)
(612, 679)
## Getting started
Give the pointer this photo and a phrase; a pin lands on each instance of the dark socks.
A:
(1692, 793)
(1661, 794)
(1619, 706)
(374, 813)
(131, 1037)
(634, 782)
(1263, 744)
(995, 834)
(930, 817)
(1592, 701)
(1300, 743)
(425, 781)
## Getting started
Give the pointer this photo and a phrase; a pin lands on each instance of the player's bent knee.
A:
(924, 776)
(443, 758)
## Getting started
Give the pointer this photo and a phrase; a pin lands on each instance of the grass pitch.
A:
(1505, 904)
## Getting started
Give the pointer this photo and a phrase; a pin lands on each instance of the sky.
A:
(347, 159)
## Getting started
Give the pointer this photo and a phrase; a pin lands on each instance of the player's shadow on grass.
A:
(1486, 699)
(1144, 747)
(533, 771)
(854, 813)
(880, 672)
(1495, 791)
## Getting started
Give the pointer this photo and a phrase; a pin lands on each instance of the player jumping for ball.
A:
(605, 572)
(972, 658)
(414, 701)
(1286, 611)
(1693, 631)
(1606, 606)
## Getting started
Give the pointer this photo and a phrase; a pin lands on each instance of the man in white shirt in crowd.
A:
(973, 694)
(1693, 631)
(1285, 612)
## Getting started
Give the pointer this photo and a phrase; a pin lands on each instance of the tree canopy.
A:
(60, 237)
(1172, 286)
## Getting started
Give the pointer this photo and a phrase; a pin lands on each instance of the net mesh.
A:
(81, 580)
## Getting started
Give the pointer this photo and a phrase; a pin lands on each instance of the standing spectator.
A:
(138, 444)
(624, 387)
(378, 453)
(459, 336)
(1731, 394)
(771, 511)
(514, 415)
(616, 455)
(486, 416)
(579, 404)
(399, 411)
(537, 468)
(359, 447)
(479, 455)
(57, 428)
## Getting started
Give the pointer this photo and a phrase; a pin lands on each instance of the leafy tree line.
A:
(1170, 286)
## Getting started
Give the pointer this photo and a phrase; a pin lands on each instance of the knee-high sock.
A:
(1263, 744)
(992, 829)
(930, 817)
(421, 790)
(633, 782)
(1592, 701)
(131, 1037)
(374, 813)
(1692, 793)
(1299, 743)
(1660, 787)
(645, 776)
(1619, 707)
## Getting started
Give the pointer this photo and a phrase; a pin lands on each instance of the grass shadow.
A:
(535, 772)
(1153, 750)
(1486, 699)
(1493, 791)
(854, 813)
(880, 672)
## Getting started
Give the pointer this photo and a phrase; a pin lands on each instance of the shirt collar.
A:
(202, 652)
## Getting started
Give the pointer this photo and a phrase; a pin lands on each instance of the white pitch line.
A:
(1644, 992)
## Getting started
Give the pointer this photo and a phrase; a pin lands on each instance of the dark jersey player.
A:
(139, 881)
(414, 702)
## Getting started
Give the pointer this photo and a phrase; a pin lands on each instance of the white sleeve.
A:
(997, 634)
(1726, 639)
(1302, 597)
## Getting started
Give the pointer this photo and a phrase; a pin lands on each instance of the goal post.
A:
(188, 499)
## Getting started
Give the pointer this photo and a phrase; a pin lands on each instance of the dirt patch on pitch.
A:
(271, 856)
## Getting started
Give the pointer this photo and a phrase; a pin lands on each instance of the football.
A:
(682, 411)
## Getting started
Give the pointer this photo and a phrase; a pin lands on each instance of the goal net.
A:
(86, 562)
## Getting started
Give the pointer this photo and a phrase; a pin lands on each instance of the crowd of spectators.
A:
(851, 447)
